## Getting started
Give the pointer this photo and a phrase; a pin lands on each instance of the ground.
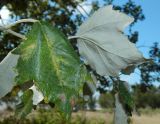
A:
(84, 117)
(145, 118)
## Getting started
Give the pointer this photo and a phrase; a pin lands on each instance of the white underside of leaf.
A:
(8, 73)
(37, 95)
(120, 116)
(104, 46)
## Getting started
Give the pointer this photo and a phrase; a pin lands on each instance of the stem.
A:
(16, 34)
(20, 21)
(83, 10)
(73, 37)
(7, 29)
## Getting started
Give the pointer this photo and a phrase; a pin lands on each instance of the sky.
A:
(4, 12)
(149, 29)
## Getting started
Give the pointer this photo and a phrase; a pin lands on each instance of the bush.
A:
(50, 117)
(106, 100)
(148, 99)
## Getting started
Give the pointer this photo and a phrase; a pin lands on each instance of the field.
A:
(82, 117)
(145, 118)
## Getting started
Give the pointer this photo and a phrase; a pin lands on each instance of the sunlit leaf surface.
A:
(48, 58)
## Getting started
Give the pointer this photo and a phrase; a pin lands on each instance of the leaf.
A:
(37, 95)
(128, 70)
(48, 58)
(7, 73)
(120, 116)
(87, 90)
(89, 86)
(25, 107)
(126, 97)
(104, 46)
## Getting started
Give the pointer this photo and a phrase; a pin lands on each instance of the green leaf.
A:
(125, 97)
(48, 58)
(25, 107)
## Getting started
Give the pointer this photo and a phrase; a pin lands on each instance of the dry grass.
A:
(103, 117)
(108, 117)
(146, 119)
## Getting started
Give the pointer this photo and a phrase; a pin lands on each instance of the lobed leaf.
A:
(120, 116)
(104, 46)
(47, 58)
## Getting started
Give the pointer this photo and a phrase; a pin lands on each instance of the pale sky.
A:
(149, 30)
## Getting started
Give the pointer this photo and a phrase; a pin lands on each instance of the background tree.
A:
(67, 17)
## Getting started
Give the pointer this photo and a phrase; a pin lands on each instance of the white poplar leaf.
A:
(104, 46)
(37, 95)
(120, 116)
(8, 73)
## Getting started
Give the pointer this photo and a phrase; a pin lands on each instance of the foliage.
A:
(149, 98)
(42, 116)
(125, 97)
(96, 39)
(57, 12)
(48, 58)
(133, 10)
(7, 73)
(61, 14)
(150, 72)
(25, 107)
(120, 116)
(106, 100)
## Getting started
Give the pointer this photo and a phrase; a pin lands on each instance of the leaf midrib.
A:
(54, 61)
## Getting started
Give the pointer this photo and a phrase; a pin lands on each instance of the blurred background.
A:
(97, 103)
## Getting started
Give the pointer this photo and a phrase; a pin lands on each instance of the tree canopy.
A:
(67, 17)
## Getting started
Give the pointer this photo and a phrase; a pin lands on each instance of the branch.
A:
(83, 10)
(21, 21)
(7, 29)
(80, 13)
(73, 37)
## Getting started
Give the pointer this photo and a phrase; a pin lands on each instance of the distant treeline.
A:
(144, 96)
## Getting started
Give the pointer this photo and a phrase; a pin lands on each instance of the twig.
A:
(80, 13)
(16, 34)
(73, 37)
(20, 21)
(84, 10)
(7, 29)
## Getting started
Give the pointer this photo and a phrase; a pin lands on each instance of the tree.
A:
(60, 13)
(150, 71)
(38, 10)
